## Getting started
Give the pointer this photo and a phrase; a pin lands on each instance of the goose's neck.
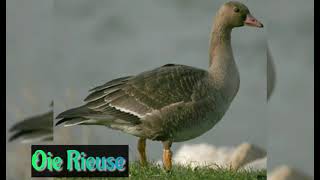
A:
(222, 66)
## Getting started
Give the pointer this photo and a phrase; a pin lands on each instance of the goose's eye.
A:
(236, 10)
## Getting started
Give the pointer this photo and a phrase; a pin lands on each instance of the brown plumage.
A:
(172, 103)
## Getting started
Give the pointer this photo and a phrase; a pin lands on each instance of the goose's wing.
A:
(131, 98)
(35, 128)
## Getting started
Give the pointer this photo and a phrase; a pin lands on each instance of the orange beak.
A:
(252, 21)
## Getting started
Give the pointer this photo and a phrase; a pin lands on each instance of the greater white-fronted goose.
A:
(172, 103)
(34, 129)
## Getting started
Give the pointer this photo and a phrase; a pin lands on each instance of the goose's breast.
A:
(198, 126)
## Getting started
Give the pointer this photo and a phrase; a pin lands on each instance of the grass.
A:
(155, 172)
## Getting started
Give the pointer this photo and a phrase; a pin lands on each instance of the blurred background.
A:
(290, 31)
(60, 49)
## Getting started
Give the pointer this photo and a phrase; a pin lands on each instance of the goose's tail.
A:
(33, 129)
(82, 116)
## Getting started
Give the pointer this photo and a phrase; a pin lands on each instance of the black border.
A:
(316, 89)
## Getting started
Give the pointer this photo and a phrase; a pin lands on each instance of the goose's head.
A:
(235, 14)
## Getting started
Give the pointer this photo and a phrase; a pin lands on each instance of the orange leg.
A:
(167, 155)
(142, 151)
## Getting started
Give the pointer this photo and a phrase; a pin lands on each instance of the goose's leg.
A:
(142, 151)
(167, 155)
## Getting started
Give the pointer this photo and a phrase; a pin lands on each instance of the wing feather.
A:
(131, 98)
(111, 83)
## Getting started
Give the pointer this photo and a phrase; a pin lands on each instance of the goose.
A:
(171, 103)
(37, 128)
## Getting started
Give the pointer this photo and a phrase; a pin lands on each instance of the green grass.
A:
(155, 172)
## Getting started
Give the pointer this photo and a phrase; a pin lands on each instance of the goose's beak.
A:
(252, 21)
